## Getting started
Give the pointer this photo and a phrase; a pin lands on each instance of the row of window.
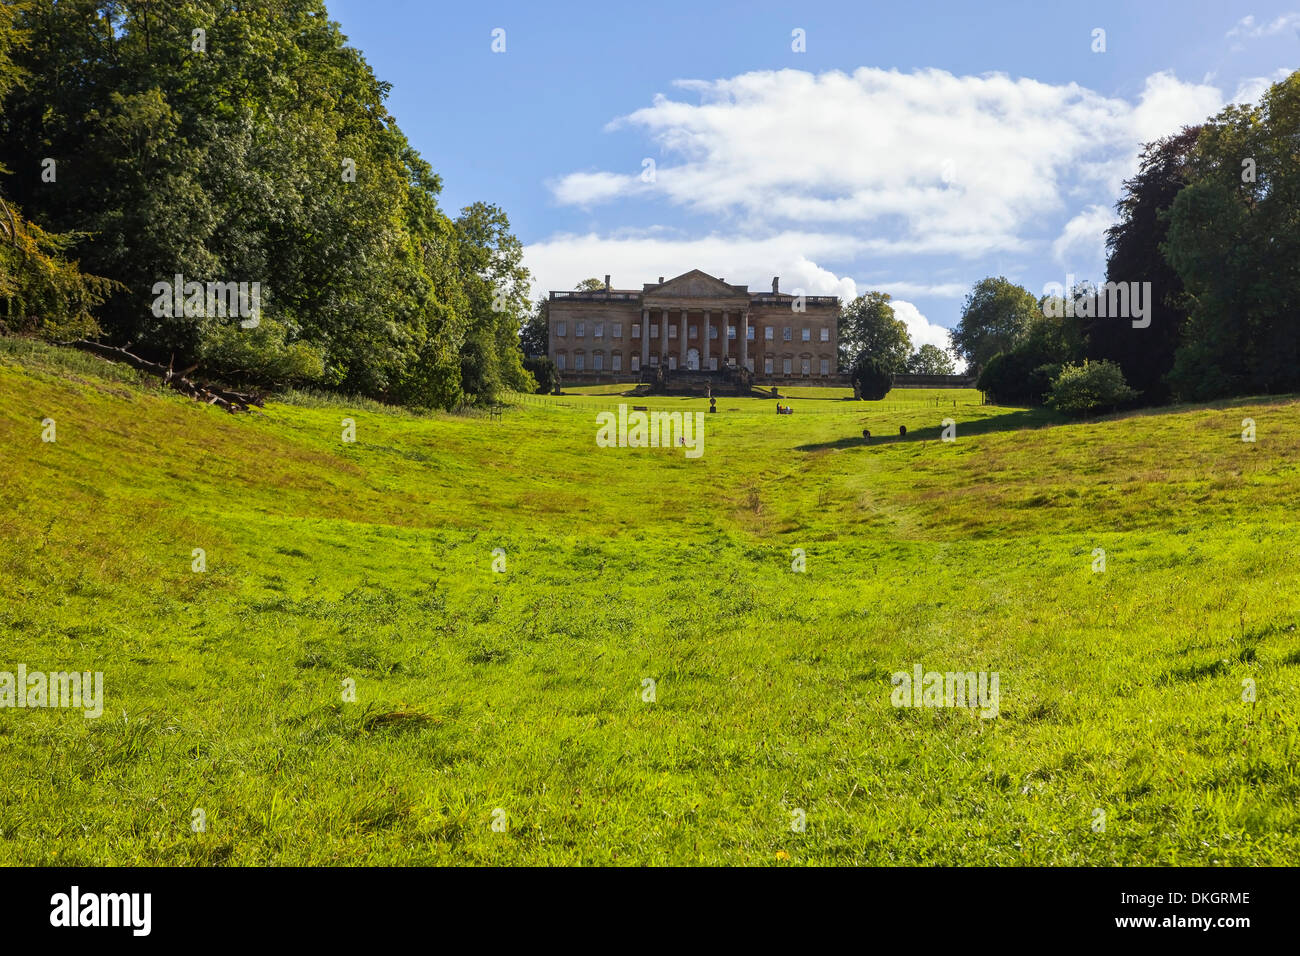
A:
(616, 332)
(616, 364)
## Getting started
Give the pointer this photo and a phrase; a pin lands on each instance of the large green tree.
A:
(995, 315)
(1145, 355)
(1234, 240)
(868, 324)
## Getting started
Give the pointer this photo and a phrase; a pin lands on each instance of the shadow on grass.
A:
(1020, 420)
(1024, 419)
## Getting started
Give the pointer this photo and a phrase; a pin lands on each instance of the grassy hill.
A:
(522, 691)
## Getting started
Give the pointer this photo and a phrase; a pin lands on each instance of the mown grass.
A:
(522, 691)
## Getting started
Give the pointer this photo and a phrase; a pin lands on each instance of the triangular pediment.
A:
(697, 284)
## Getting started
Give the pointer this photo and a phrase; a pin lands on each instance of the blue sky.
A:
(912, 147)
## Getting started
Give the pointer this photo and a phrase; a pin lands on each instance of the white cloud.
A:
(562, 261)
(922, 163)
(1248, 27)
(921, 329)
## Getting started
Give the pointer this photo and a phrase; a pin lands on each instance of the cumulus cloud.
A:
(943, 164)
(562, 261)
(921, 329)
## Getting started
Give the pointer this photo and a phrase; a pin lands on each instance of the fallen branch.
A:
(230, 400)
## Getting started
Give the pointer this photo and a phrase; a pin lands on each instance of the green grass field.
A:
(522, 691)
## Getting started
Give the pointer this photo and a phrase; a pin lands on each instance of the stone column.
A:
(704, 362)
(681, 359)
(645, 337)
(744, 337)
(722, 334)
(663, 337)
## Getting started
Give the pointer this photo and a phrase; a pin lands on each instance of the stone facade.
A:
(693, 322)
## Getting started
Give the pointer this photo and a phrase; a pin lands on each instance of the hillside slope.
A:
(524, 691)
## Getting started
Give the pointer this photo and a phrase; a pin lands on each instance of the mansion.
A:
(693, 322)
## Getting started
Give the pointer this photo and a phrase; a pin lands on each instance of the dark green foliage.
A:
(873, 376)
(1234, 240)
(1146, 354)
(544, 372)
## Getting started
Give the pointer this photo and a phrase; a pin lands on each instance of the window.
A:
(616, 362)
(672, 331)
(767, 366)
(616, 330)
(654, 331)
(694, 330)
(826, 364)
(713, 331)
(636, 363)
(672, 362)
(561, 329)
(785, 366)
(749, 363)
(636, 330)
(559, 361)
(731, 332)
(805, 367)
(767, 334)
(713, 363)
(749, 333)
(598, 330)
(579, 362)
(598, 361)
(806, 335)
(826, 334)
(654, 360)
(786, 335)
(580, 330)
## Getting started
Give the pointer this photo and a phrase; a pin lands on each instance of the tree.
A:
(544, 371)
(868, 324)
(872, 376)
(1234, 241)
(534, 339)
(1146, 354)
(1082, 389)
(268, 157)
(41, 290)
(931, 360)
(994, 317)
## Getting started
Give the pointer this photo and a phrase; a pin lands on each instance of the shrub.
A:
(872, 376)
(1080, 389)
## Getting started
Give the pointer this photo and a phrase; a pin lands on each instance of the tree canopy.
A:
(225, 141)
(868, 324)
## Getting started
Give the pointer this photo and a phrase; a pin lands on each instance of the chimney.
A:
(776, 284)
(606, 283)
(661, 280)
